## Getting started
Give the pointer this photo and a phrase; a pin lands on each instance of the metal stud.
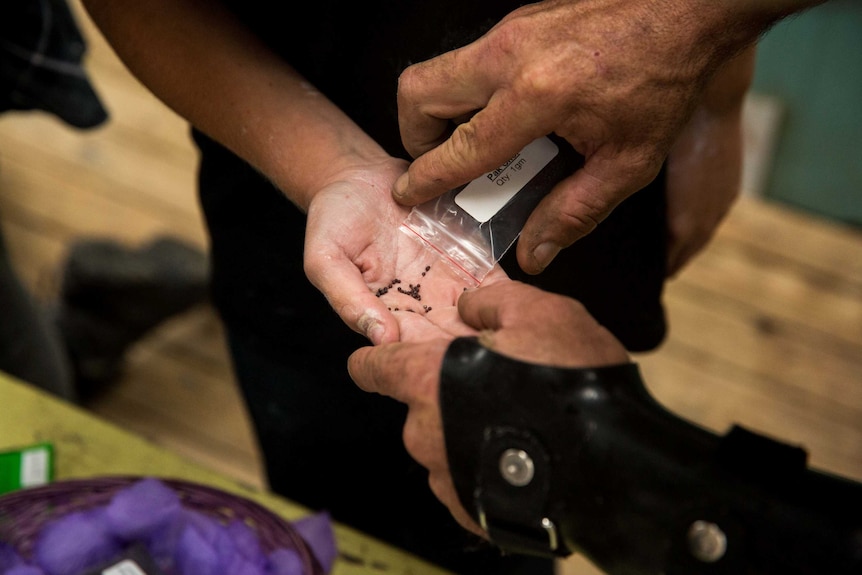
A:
(706, 541)
(517, 467)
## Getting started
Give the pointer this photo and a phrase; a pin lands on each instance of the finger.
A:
(444, 489)
(423, 436)
(496, 275)
(432, 93)
(491, 137)
(515, 304)
(581, 202)
(345, 289)
(377, 369)
(490, 307)
(401, 371)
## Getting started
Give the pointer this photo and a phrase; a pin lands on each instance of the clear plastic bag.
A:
(473, 226)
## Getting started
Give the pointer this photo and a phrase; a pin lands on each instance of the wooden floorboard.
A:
(765, 325)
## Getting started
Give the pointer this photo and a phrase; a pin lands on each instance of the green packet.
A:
(26, 467)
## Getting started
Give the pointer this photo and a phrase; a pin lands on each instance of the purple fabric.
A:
(240, 566)
(181, 541)
(244, 540)
(142, 508)
(162, 545)
(24, 570)
(284, 562)
(8, 558)
(74, 542)
(205, 526)
(317, 531)
(195, 554)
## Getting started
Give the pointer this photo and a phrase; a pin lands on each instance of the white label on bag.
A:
(487, 194)
(34, 467)
(124, 567)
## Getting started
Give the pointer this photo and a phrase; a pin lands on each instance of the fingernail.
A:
(545, 253)
(375, 333)
(371, 327)
(399, 191)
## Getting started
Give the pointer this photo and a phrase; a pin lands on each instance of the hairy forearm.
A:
(712, 33)
(742, 22)
(208, 68)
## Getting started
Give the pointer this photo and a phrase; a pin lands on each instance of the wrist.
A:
(719, 31)
(302, 174)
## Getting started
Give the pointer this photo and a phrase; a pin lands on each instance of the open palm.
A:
(369, 270)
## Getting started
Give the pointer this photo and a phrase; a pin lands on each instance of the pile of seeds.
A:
(412, 291)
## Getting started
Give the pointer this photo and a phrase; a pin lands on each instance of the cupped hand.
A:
(510, 317)
(368, 269)
(617, 79)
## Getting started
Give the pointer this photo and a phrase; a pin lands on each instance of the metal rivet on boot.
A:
(517, 467)
(706, 541)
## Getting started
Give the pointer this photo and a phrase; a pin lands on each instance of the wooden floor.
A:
(766, 325)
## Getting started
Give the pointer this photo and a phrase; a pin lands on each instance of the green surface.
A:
(813, 63)
(13, 477)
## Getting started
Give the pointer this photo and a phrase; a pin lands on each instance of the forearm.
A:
(711, 34)
(199, 60)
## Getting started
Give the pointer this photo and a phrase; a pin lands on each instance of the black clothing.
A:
(327, 444)
(30, 347)
(41, 49)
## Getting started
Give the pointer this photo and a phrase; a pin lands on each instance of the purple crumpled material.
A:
(317, 532)
(24, 570)
(181, 541)
(76, 541)
(284, 562)
(9, 558)
(137, 511)
(195, 554)
(13, 564)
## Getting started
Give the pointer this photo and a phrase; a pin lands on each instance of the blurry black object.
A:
(41, 52)
(112, 295)
(638, 490)
(30, 348)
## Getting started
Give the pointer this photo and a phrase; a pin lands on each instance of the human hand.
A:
(618, 80)
(705, 164)
(509, 317)
(367, 268)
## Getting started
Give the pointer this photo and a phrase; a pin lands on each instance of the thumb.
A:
(474, 148)
(341, 283)
(578, 204)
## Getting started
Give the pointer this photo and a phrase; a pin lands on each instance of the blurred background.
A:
(809, 69)
(765, 325)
